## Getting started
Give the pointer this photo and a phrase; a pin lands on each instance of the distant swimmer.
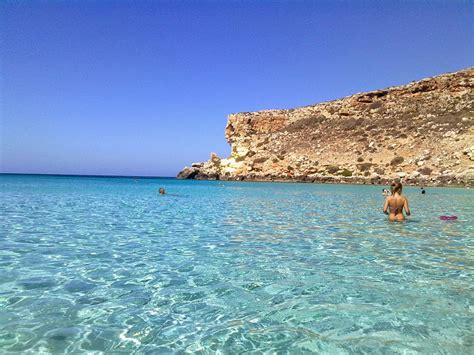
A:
(162, 191)
(423, 190)
(396, 203)
(386, 192)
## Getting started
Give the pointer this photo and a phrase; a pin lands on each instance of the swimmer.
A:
(423, 190)
(386, 192)
(395, 204)
(161, 191)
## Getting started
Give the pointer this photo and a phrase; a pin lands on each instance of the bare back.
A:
(394, 206)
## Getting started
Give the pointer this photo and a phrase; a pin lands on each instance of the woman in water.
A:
(395, 204)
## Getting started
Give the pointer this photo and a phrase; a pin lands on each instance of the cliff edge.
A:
(421, 133)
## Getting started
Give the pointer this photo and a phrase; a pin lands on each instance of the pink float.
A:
(448, 218)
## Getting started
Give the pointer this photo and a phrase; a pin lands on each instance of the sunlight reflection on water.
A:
(106, 264)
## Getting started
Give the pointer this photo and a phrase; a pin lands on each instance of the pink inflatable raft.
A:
(448, 218)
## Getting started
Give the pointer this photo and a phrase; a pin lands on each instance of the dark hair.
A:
(396, 187)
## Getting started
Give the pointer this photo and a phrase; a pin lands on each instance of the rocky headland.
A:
(421, 133)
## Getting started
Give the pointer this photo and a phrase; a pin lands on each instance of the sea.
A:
(108, 265)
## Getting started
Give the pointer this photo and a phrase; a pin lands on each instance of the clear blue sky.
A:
(144, 87)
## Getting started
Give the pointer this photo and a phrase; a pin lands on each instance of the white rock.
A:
(242, 151)
(228, 162)
(228, 170)
(469, 175)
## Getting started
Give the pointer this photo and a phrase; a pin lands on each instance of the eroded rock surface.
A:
(421, 133)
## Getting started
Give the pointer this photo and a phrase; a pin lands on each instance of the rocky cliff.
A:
(421, 133)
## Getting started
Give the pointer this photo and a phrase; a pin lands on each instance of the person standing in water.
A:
(162, 191)
(396, 203)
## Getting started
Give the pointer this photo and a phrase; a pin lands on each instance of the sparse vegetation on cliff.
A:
(421, 133)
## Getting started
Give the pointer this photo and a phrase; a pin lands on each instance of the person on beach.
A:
(161, 191)
(396, 203)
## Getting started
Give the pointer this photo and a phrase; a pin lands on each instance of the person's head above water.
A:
(161, 191)
(396, 188)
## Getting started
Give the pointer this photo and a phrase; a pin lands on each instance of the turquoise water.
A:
(107, 264)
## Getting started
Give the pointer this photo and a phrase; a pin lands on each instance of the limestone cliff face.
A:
(422, 132)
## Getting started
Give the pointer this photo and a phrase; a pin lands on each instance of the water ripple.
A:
(108, 265)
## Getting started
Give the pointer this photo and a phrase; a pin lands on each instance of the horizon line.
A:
(94, 175)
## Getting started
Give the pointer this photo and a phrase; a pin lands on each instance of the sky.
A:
(143, 88)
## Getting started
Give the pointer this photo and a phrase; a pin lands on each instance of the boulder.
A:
(469, 152)
(241, 152)
(396, 161)
(425, 171)
(379, 171)
(374, 176)
(188, 173)
(215, 159)
(332, 169)
(364, 166)
(469, 176)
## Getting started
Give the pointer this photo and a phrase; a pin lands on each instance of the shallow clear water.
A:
(107, 264)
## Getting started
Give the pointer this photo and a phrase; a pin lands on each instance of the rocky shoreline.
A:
(421, 134)
(442, 181)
